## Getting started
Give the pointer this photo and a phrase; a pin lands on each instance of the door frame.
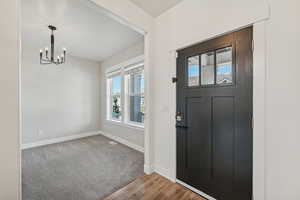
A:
(259, 84)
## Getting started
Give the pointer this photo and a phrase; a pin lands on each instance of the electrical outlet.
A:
(41, 133)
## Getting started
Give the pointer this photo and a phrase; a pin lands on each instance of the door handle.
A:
(179, 120)
(181, 126)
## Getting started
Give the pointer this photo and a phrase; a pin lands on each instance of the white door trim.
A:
(259, 100)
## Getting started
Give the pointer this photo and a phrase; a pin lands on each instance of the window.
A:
(207, 68)
(114, 98)
(125, 95)
(135, 98)
(193, 71)
(216, 68)
(224, 66)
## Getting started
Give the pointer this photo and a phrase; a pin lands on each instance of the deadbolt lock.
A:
(179, 117)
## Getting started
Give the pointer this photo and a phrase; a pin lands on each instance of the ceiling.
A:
(84, 29)
(156, 7)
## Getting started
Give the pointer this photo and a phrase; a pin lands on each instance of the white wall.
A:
(128, 13)
(133, 135)
(58, 101)
(283, 97)
(9, 105)
(191, 22)
(9, 75)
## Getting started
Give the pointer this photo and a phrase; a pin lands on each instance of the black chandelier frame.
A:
(44, 57)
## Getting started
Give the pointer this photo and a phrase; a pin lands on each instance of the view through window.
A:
(126, 95)
(135, 97)
(116, 98)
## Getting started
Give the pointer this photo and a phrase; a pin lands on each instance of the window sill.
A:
(126, 125)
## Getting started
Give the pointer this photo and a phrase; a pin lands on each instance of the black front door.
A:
(214, 116)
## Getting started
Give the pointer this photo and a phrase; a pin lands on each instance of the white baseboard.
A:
(59, 140)
(164, 172)
(123, 141)
(148, 169)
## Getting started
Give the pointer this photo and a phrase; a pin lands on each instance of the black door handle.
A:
(181, 126)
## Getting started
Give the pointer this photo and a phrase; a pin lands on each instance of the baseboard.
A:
(123, 141)
(164, 172)
(148, 169)
(59, 140)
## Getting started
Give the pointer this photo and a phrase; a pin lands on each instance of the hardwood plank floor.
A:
(153, 187)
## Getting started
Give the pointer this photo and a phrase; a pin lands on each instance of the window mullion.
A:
(127, 95)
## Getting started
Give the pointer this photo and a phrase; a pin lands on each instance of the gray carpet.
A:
(85, 169)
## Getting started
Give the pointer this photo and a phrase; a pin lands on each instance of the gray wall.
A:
(58, 101)
(133, 135)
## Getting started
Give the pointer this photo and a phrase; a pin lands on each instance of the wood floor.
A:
(153, 187)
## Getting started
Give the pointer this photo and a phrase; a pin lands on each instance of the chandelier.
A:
(44, 57)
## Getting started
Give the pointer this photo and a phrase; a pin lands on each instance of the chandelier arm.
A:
(46, 60)
(56, 62)
(46, 63)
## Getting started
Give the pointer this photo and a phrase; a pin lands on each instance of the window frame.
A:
(121, 70)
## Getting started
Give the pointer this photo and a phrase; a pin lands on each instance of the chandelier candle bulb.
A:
(46, 50)
(64, 52)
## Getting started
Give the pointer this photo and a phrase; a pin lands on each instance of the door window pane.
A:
(224, 66)
(208, 68)
(193, 71)
(116, 97)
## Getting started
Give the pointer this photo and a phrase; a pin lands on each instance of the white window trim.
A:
(123, 65)
(113, 71)
(126, 125)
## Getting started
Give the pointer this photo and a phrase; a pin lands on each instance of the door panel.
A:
(214, 101)
(197, 111)
(223, 141)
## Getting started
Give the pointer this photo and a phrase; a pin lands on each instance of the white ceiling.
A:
(156, 7)
(84, 29)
